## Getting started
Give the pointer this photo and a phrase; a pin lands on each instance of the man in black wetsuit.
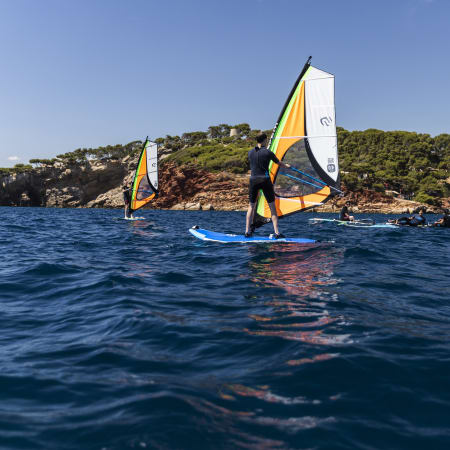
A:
(344, 214)
(127, 201)
(414, 221)
(418, 219)
(444, 221)
(260, 158)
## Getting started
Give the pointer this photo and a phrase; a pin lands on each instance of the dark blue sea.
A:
(136, 335)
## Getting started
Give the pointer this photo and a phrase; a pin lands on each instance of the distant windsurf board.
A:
(374, 225)
(131, 218)
(361, 223)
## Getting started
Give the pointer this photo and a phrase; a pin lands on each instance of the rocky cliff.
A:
(62, 185)
(185, 187)
(98, 184)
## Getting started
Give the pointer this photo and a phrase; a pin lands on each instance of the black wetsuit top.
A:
(413, 221)
(344, 213)
(417, 220)
(126, 196)
(259, 158)
(446, 221)
(259, 161)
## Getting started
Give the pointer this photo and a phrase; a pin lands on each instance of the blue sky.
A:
(87, 73)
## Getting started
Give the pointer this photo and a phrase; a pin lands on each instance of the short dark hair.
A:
(261, 138)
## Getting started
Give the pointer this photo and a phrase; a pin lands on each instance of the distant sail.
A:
(145, 183)
(305, 137)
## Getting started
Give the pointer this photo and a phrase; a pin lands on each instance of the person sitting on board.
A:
(401, 221)
(418, 219)
(344, 214)
(413, 221)
(259, 158)
(444, 221)
(127, 202)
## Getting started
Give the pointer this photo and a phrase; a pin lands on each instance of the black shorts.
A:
(263, 183)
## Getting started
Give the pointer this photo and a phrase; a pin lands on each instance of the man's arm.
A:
(281, 163)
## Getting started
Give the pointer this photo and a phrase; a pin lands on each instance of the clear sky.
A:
(86, 73)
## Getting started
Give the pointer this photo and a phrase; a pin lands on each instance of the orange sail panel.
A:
(293, 126)
(145, 184)
(304, 137)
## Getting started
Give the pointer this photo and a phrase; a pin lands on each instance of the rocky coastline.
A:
(98, 184)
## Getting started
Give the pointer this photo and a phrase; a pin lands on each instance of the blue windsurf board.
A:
(213, 236)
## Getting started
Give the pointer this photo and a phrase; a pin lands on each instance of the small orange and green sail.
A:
(145, 183)
(304, 137)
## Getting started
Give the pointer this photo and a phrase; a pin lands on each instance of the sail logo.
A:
(331, 166)
(326, 121)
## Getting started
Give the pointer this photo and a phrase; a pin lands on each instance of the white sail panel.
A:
(321, 120)
(152, 163)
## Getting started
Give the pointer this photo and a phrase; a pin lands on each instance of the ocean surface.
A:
(133, 335)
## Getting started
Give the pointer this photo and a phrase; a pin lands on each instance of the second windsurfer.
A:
(259, 158)
(127, 202)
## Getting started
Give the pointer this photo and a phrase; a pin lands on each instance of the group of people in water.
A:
(417, 219)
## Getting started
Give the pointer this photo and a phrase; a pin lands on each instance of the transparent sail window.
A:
(144, 189)
(290, 183)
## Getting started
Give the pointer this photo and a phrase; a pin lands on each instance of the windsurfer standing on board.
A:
(259, 158)
(127, 201)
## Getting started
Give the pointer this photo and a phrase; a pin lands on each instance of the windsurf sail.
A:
(304, 137)
(145, 183)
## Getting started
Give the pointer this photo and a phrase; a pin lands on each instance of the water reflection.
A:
(302, 272)
(143, 228)
(295, 285)
(300, 313)
(139, 270)
(226, 424)
(262, 393)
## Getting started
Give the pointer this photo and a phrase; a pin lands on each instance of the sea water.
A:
(118, 334)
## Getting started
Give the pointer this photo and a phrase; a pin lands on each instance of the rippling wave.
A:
(124, 334)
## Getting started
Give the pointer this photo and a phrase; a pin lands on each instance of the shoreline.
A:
(179, 208)
(99, 185)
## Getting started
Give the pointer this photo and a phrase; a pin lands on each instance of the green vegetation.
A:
(215, 157)
(82, 155)
(415, 165)
(214, 150)
(43, 162)
(110, 152)
(79, 156)
(18, 168)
